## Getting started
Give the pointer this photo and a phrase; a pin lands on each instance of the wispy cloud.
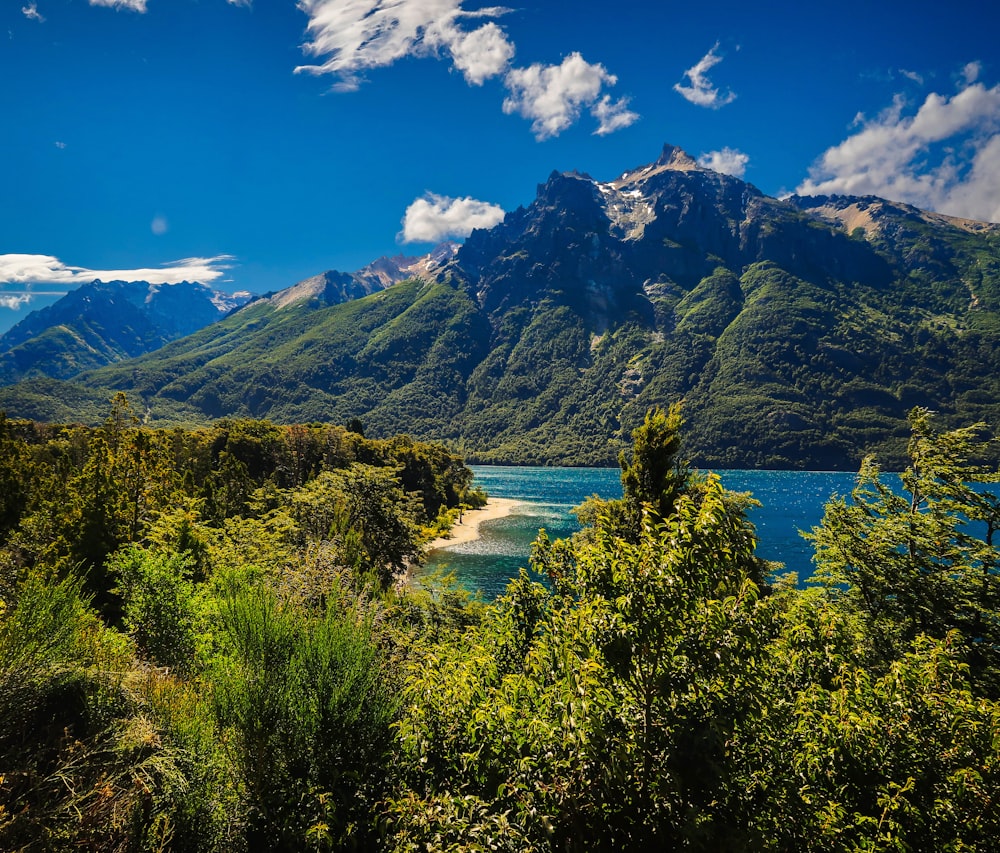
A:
(246, 3)
(353, 36)
(47, 269)
(132, 5)
(701, 91)
(728, 161)
(552, 96)
(434, 218)
(612, 115)
(32, 14)
(350, 37)
(944, 157)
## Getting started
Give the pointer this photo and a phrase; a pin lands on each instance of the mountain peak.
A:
(333, 287)
(671, 159)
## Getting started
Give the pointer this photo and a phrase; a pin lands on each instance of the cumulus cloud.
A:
(944, 157)
(552, 96)
(46, 269)
(481, 54)
(31, 13)
(728, 161)
(434, 218)
(350, 37)
(972, 71)
(701, 91)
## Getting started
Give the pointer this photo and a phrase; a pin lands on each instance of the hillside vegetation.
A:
(202, 649)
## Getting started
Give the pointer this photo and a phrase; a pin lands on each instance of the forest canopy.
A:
(204, 647)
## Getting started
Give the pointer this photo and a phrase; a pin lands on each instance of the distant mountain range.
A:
(105, 322)
(799, 332)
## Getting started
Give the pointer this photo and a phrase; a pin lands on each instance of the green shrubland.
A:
(203, 647)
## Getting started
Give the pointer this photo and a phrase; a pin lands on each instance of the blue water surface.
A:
(790, 501)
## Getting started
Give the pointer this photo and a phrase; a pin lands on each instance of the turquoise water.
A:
(791, 501)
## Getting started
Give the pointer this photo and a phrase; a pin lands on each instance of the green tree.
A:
(597, 715)
(654, 475)
(921, 560)
(365, 511)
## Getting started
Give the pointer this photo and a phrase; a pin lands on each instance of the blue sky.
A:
(252, 143)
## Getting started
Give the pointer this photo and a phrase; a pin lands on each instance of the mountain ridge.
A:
(795, 339)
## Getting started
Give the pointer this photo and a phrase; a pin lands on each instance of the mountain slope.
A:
(105, 322)
(798, 332)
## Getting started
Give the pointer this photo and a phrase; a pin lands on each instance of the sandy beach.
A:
(468, 529)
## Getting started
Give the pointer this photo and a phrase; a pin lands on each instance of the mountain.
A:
(105, 322)
(799, 332)
(333, 287)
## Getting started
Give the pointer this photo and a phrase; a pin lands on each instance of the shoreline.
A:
(460, 534)
(468, 529)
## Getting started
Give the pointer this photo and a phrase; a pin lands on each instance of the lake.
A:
(791, 501)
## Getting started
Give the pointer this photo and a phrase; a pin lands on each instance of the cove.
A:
(791, 501)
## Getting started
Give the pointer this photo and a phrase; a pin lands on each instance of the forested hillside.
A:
(202, 649)
(798, 332)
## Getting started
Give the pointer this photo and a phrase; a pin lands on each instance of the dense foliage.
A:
(201, 649)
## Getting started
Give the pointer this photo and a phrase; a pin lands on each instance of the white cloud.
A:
(434, 218)
(553, 95)
(15, 300)
(46, 269)
(701, 91)
(728, 161)
(350, 37)
(57, 279)
(945, 157)
(612, 115)
(159, 226)
(915, 76)
(246, 3)
(60, 145)
(32, 14)
(481, 54)
(353, 36)
(133, 5)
